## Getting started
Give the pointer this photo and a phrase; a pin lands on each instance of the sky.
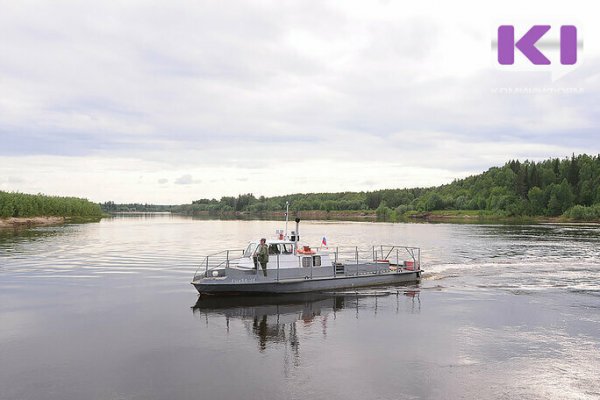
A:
(166, 102)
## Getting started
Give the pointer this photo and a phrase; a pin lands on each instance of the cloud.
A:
(162, 181)
(186, 180)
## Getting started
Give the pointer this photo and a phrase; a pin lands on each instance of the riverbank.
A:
(466, 216)
(29, 222)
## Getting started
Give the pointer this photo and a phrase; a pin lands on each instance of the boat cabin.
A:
(275, 247)
(284, 254)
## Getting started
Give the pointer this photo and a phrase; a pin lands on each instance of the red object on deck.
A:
(306, 250)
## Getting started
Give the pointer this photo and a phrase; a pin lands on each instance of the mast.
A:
(297, 235)
(287, 213)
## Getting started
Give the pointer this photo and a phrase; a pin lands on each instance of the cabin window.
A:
(306, 262)
(317, 261)
(288, 248)
(250, 250)
(274, 249)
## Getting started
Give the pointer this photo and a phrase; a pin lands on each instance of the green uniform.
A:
(263, 257)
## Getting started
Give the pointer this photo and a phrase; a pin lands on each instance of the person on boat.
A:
(263, 255)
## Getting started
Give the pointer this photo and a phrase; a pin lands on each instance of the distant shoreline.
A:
(440, 216)
(350, 216)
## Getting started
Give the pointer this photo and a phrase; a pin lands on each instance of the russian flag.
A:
(324, 241)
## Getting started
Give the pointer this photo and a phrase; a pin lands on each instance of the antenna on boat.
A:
(287, 213)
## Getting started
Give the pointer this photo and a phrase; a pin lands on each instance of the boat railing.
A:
(223, 259)
(395, 256)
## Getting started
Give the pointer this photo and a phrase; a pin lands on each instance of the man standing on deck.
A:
(263, 255)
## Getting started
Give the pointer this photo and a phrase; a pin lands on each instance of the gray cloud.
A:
(186, 180)
(12, 179)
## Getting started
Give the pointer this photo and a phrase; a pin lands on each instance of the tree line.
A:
(553, 187)
(38, 205)
(111, 206)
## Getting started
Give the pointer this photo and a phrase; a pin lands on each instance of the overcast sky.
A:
(171, 101)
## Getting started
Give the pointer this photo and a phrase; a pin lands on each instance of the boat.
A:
(295, 268)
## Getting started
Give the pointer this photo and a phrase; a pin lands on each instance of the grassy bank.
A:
(465, 216)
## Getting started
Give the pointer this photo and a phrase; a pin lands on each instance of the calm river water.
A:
(106, 311)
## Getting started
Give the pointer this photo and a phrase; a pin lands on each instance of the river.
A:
(105, 311)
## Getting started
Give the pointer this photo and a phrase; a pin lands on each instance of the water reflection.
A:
(17, 240)
(7, 234)
(276, 319)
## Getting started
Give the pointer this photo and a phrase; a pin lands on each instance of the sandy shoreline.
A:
(30, 221)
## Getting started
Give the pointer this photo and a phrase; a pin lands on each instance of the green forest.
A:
(568, 187)
(38, 205)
